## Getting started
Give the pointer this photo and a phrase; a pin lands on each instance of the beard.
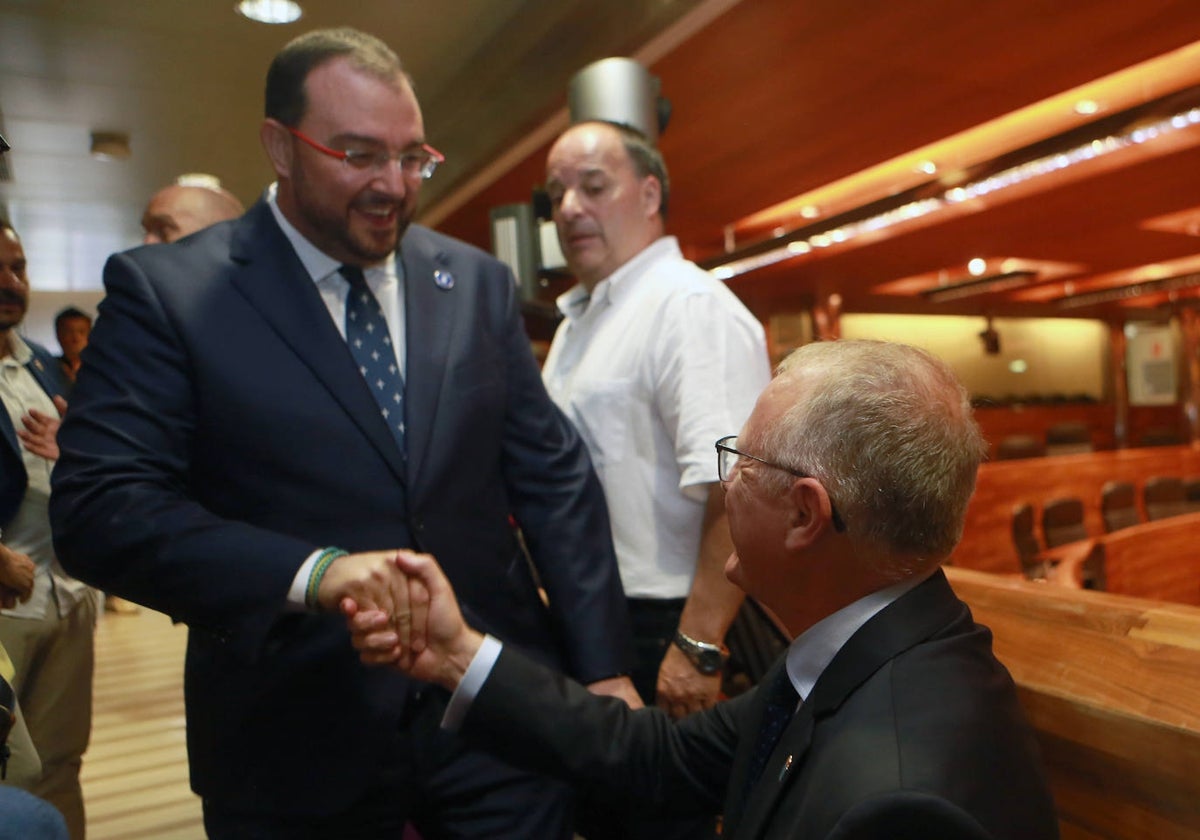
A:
(345, 232)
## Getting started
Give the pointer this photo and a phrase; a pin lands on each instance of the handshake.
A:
(402, 612)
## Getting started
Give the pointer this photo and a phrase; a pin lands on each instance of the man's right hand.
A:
(16, 577)
(440, 644)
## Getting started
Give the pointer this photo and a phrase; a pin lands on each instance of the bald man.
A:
(184, 208)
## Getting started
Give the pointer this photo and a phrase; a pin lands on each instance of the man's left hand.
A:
(40, 432)
(621, 687)
(682, 689)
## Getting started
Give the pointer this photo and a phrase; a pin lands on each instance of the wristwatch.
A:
(708, 658)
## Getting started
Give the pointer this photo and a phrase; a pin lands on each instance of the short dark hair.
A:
(647, 160)
(68, 314)
(285, 99)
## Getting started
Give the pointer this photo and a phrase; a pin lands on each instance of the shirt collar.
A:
(19, 351)
(317, 263)
(815, 648)
(576, 301)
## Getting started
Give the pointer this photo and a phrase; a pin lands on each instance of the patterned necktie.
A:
(371, 345)
(782, 700)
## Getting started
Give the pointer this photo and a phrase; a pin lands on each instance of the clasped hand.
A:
(417, 627)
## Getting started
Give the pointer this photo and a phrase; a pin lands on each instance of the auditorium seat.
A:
(1163, 497)
(1020, 446)
(1160, 436)
(1062, 521)
(1068, 437)
(1118, 504)
(1026, 542)
(1191, 493)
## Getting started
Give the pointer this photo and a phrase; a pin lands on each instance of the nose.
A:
(569, 206)
(393, 181)
(151, 238)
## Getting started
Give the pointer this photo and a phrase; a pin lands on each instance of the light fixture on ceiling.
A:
(914, 207)
(927, 167)
(270, 11)
(110, 145)
(1087, 107)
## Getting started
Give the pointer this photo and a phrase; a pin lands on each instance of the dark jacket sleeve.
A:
(559, 505)
(637, 760)
(121, 512)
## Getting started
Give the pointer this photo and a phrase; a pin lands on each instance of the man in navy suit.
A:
(272, 406)
(49, 633)
(888, 717)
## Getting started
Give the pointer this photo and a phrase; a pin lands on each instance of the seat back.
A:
(1025, 541)
(1068, 437)
(1062, 521)
(1020, 446)
(1118, 505)
(1163, 496)
(1191, 493)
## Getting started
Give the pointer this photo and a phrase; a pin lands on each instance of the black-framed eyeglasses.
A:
(727, 458)
(422, 161)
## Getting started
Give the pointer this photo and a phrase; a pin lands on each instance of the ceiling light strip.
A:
(1019, 174)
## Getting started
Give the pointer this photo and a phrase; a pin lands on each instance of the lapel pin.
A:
(787, 766)
(443, 279)
(37, 363)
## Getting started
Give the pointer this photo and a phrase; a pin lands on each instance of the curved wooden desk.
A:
(1158, 560)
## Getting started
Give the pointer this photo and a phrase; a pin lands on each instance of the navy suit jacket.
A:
(220, 432)
(912, 731)
(13, 478)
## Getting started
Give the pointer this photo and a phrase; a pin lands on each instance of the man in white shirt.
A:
(654, 361)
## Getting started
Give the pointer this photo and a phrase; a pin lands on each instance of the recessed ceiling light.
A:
(808, 211)
(270, 11)
(928, 167)
(1086, 107)
(977, 266)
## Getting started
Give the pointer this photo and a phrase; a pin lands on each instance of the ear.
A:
(811, 513)
(651, 195)
(277, 143)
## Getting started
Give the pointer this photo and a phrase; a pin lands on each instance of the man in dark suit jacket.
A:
(888, 717)
(224, 453)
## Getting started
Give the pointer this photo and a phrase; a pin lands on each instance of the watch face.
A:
(708, 662)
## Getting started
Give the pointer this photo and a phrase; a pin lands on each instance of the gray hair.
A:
(285, 98)
(888, 430)
(647, 160)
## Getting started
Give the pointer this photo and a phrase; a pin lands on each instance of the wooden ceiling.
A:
(777, 99)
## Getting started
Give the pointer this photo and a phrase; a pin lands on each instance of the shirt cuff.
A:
(295, 596)
(468, 687)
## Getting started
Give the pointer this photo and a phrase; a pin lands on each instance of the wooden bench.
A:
(1112, 687)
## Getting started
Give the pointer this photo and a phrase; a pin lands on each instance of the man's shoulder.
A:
(433, 243)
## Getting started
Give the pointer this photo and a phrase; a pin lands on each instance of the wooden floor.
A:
(135, 781)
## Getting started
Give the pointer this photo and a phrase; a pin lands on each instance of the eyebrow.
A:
(372, 141)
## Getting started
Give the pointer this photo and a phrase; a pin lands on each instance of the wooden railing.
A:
(987, 542)
(1112, 687)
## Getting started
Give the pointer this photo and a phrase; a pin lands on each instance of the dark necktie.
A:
(371, 345)
(782, 700)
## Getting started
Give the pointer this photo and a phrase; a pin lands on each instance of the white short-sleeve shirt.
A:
(656, 365)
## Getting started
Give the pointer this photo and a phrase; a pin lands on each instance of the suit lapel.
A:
(430, 311)
(275, 283)
(49, 381)
(908, 621)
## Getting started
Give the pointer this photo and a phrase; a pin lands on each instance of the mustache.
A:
(9, 296)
